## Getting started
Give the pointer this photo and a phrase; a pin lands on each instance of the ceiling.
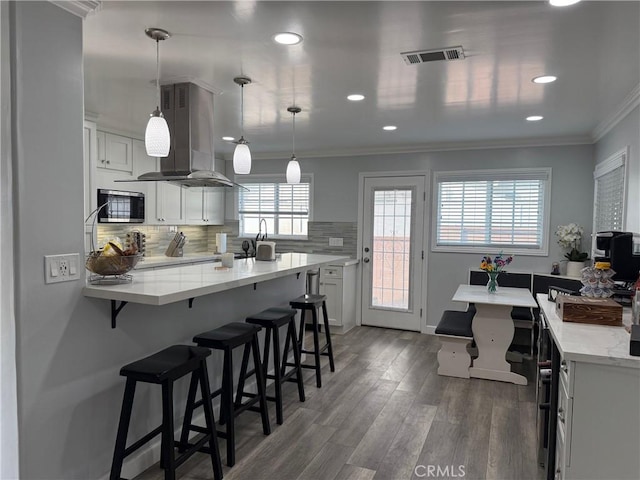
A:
(354, 47)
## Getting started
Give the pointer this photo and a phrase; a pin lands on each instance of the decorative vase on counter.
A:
(574, 269)
(492, 284)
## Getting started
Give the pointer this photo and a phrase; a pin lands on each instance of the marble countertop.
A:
(514, 297)
(168, 285)
(582, 342)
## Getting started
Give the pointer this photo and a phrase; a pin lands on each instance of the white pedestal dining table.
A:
(493, 328)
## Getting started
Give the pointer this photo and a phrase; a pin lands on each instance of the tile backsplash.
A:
(201, 239)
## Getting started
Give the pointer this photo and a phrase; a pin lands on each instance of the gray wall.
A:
(626, 133)
(336, 199)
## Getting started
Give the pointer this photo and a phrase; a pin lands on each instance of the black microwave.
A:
(120, 206)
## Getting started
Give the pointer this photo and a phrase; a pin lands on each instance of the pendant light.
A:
(242, 154)
(156, 137)
(293, 167)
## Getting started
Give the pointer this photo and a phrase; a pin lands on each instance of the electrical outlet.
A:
(61, 268)
(335, 242)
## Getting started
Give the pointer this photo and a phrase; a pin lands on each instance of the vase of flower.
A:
(494, 267)
(492, 284)
(574, 269)
(570, 237)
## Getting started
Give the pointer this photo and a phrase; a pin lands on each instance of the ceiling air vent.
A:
(423, 56)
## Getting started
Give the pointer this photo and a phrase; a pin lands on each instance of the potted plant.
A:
(570, 236)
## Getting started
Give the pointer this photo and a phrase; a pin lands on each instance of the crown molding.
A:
(80, 8)
(630, 102)
(434, 147)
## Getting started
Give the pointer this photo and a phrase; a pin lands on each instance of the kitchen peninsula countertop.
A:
(582, 342)
(157, 261)
(168, 285)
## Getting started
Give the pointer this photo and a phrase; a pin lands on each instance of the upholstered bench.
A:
(455, 334)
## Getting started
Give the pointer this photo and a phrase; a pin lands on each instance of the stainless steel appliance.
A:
(188, 109)
(548, 379)
(120, 206)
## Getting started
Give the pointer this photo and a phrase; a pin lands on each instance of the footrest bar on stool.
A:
(193, 448)
(142, 441)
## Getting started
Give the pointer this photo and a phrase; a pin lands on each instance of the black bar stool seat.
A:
(226, 338)
(312, 302)
(163, 368)
(271, 320)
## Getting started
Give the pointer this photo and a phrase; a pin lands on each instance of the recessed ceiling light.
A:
(228, 139)
(535, 118)
(562, 3)
(544, 79)
(287, 38)
(389, 127)
(355, 97)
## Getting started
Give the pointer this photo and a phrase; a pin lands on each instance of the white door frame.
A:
(427, 236)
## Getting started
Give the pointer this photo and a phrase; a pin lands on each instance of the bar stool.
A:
(271, 320)
(163, 368)
(313, 303)
(226, 338)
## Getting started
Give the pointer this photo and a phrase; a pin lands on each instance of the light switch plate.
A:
(62, 268)
(335, 242)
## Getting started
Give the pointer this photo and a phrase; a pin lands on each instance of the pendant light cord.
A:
(242, 110)
(158, 70)
(294, 134)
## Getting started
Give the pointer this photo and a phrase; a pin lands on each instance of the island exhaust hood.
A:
(188, 109)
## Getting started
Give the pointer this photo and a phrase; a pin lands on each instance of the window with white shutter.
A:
(610, 193)
(492, 210)
(284, 207)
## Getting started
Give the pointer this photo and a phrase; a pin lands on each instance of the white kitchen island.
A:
(170, 285)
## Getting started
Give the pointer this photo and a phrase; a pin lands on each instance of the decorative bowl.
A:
(111, 264)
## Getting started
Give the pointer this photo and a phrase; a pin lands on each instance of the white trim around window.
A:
(274, 179)
(476, 192)
(609, 207)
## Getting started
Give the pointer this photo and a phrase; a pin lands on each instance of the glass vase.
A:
(492, 284)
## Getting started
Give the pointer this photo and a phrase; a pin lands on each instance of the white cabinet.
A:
(598, 429)
(204, 206)
(142, 163)
(115, 152)
(338, 283)
(170, 200)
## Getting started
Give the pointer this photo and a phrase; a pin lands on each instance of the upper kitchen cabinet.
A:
(204, 206)
(170, 203)
(142, 163)
(115, 152)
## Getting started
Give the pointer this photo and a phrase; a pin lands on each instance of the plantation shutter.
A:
(490, 209)
(284, 206)
(609, 193)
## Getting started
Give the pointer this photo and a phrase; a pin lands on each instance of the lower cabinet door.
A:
(332, 288)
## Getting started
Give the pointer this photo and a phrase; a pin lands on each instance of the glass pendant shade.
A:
(242, 159)
(156, 136)
(293, 171)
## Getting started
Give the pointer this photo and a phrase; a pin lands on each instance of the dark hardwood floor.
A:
(386, 414)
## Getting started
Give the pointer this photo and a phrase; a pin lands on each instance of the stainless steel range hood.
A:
(188, 109)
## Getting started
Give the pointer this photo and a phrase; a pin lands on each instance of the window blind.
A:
(609, 194)
(285, 207)
(485, 211)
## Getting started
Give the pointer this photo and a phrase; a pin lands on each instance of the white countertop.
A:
(584, 342)
(164, 261)
(345, 262)
(163, 286)
(514, 297)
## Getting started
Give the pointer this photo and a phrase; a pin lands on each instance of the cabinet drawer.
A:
(566, 374)
(331, 272)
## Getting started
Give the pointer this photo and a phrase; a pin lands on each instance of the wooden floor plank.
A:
(351, 472)
(376, 442)
(400, 459)
(328, 462)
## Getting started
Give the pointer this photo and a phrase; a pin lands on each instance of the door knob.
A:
(366, 249)
(365, 260)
